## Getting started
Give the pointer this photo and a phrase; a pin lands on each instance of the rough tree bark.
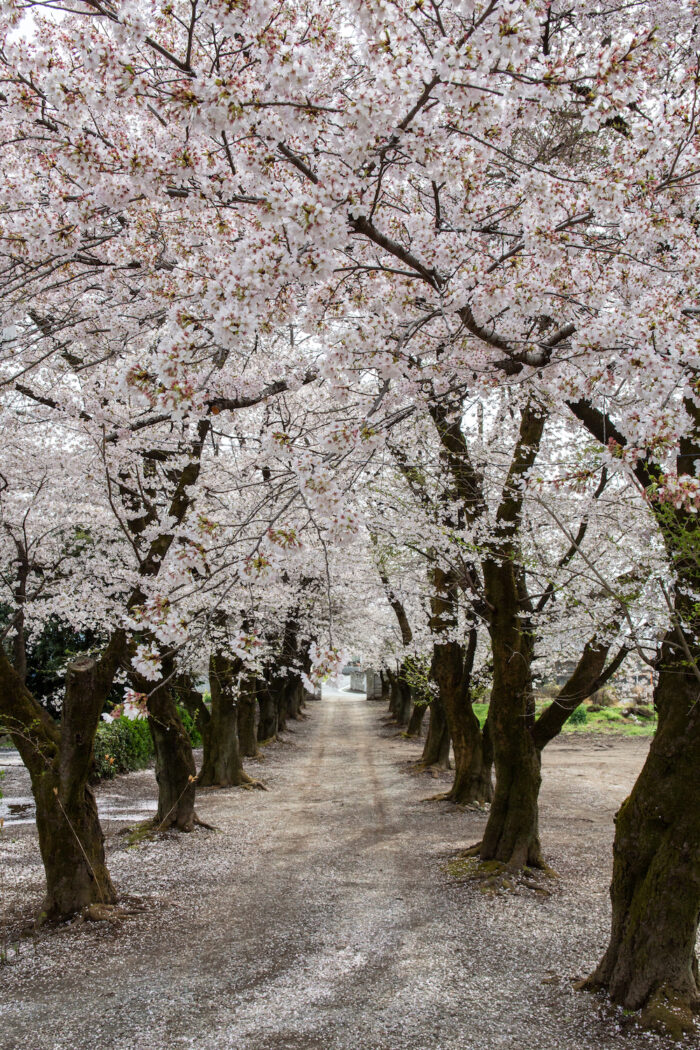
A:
(176, 772)
(656, 869)
(451, 670)
(221, 763)
(650, 960)
(59, 758)
(512, 831)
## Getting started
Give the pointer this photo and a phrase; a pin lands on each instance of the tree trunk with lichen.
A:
(59, 758)
(650, 962)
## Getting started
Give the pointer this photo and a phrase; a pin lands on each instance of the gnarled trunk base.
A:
(512, 832)
(650, 962)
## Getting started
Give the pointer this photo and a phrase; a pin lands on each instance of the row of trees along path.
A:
(365, 328)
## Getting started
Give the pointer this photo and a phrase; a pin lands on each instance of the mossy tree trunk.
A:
(650, 961)
(59, 758)
(221, 763)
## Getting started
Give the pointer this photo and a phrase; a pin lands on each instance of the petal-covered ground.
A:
(320, 914)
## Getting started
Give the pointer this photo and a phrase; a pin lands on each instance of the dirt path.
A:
(320, 917)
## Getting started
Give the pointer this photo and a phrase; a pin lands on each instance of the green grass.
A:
(612, 720)
(608, 721)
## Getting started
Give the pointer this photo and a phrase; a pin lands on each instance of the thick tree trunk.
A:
(415, 722)
(70, 836)
(294, 700)
(221, 763)
(404, 699)
(59, 759)
(650, 961)
(451, 670)
(247, 702)
(268, 720)
(436, 751)
(512, 830)
(175, 766)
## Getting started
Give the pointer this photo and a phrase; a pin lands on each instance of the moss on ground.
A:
(610, 720)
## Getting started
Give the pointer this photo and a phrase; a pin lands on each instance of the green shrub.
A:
(579, 716)
(192, 726)
(121, 746)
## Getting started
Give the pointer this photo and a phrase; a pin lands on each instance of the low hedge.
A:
(126, 744)
(122, 746)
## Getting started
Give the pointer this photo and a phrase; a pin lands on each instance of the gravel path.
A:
(319, 915)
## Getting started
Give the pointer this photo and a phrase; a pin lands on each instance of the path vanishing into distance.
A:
(320, 915)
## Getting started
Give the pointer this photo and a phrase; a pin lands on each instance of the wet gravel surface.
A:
(320, 916)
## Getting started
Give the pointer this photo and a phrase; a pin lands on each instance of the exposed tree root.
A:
(667, 1012)
(416, 768)
(249, 783)
(493, 876)
(448, 796)
(203, 824)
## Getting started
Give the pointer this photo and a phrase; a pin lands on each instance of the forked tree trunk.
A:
(451, 670)
(176, 772)
(221, 763)
(436, 751)
(650, 961)
(247, 702)
(59, 759)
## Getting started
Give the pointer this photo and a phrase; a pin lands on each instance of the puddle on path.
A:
(19, 809)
